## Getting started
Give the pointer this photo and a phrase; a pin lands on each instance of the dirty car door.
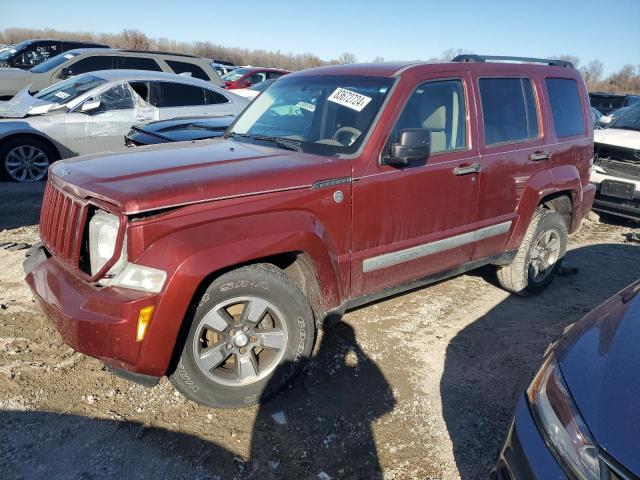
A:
(414, 221)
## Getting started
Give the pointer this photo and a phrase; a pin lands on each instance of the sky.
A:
(397, 30)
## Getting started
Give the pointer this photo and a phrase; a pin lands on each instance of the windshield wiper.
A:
(285, 143)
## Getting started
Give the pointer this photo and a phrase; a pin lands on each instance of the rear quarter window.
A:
(185, 67)
(138, 63)
(566, 106)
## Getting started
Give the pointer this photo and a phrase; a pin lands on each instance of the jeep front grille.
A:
(62, 223)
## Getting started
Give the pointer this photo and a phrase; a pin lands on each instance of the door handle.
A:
(466, 170)
(538, 156)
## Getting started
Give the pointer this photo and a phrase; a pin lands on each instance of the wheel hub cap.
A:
(241, 340)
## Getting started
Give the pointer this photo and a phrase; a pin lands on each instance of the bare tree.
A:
(592, 72)
(378, 60)
(347, 57)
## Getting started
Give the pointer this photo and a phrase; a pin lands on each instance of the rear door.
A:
(179, 100)
(417, 221)
(512, 147)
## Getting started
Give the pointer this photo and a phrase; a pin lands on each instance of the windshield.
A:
(64, 92)
(262, 86)
(325, 115)
(629, 120)
(235, 74)
(53, 62)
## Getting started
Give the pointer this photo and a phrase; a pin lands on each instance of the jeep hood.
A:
(163, 176)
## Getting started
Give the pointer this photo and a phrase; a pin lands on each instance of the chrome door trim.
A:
(426, 249)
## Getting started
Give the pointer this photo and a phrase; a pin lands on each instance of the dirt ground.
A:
(422, 385)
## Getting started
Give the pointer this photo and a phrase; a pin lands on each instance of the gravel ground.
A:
(419, 386)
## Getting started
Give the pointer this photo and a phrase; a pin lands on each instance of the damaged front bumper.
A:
(616, 195)
(97, 321)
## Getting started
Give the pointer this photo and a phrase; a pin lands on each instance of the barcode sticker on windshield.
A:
(347, 98)
(62, 95)
(307, 106)
(68, 56)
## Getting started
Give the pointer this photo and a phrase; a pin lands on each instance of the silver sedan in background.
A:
(92, 112)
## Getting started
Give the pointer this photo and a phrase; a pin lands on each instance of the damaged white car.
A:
(92, 112)
(616, 166)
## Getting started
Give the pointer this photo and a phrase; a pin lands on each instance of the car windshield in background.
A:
(70, 89)
(7, 53)
(53, 62)
(629, 120)
(235, 74)
(262, 86)
(324, 115)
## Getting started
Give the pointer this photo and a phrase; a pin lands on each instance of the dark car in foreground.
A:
(178, 130)
(579, 417)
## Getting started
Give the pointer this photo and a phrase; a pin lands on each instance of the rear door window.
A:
(274, 75)
(170, 94)
(568, 117)
(138, 63)
(184, 67)
(37, 53)
(508, 110)
(92, 64)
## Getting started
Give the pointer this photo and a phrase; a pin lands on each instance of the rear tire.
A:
(25, 159)
(539, 257)
(251, 333)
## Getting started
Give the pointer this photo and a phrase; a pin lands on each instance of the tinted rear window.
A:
(568, 118)
(91, 64)
(508, 109)
(178, 95)
(138, 63)
(184, 67)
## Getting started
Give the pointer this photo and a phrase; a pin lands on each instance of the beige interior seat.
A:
(436, 124)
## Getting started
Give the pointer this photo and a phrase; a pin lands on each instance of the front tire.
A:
(25, 159)
(251, 332)
(539, 257)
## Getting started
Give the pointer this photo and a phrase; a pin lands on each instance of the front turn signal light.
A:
(144, 317)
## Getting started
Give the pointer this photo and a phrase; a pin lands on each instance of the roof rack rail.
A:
(160, 52)
(484, 58)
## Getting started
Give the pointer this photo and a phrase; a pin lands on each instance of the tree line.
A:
(625, 80)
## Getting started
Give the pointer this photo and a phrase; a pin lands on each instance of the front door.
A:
(416, 221)
(103, 129)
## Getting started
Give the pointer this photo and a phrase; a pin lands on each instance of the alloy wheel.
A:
(240, 341)
(26, 163)
(544, 255)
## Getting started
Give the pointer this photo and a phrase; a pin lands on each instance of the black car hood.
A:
(600, 361)
(184, 129)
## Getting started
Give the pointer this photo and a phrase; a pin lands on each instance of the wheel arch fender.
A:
(542, 186)
(193, 259)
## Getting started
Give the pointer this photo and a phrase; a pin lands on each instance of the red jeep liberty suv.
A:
(213, 262)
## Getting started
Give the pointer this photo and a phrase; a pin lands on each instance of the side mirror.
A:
(90, 105)
(246, 83)
(414, 144)
(65, 73)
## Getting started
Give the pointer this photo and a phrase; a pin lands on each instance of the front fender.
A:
(565, 178)
(191, 255)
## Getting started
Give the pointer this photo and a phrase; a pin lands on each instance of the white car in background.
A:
(92, 112)
(254, 90)
(616, 167)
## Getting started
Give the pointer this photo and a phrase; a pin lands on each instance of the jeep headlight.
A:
(103, 236)
(561, 424)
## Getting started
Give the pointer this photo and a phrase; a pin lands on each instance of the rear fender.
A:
(565, 178)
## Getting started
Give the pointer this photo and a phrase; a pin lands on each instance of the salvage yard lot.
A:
(420, 385)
